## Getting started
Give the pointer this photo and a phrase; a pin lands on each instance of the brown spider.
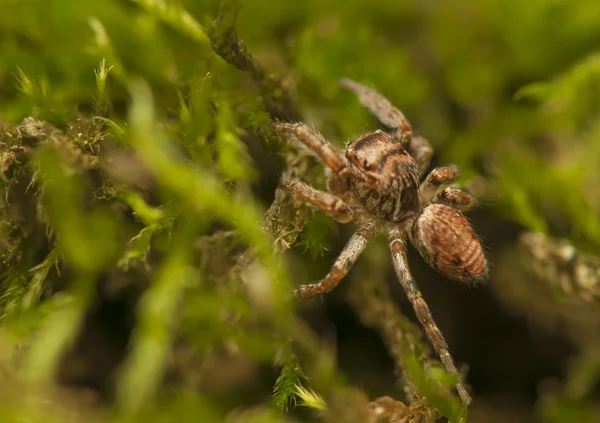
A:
(376, 182)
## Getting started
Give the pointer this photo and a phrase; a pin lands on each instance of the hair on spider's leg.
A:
(435, 180)
(420, 149)
(455, 198)
(324, 201)
(435, 336)
(343, 263)
(381, 107)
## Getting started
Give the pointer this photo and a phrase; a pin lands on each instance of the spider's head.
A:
(384, 177)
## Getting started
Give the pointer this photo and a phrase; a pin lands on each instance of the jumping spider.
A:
(376, 182)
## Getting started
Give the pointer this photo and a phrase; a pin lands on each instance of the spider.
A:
(376, 182)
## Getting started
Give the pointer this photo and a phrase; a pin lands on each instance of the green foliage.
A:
(309, 398)
(153, 336)
(232, 160)
(86, 239)
(285, 390)
(317, 235)
(433, 383)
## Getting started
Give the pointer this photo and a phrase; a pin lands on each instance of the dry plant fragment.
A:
(559, 263)
(376, 182)
(397, 412)
(228, 45)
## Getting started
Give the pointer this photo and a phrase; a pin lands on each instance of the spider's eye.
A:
(368, 166)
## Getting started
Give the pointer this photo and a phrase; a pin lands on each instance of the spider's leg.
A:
(455, 198)
(343, 263)
(420, 149)
(381, 108)
(329, 155)
(329, 203)
(398, 248)
(434, 181)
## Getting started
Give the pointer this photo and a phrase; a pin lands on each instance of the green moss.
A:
(138, 162)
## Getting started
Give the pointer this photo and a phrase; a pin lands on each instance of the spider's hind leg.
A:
(398, 249)
(342, 264)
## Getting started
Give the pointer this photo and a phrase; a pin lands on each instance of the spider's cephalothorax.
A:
(383, 176)
(376, 182)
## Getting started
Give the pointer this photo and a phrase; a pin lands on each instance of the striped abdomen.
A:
(448, 244)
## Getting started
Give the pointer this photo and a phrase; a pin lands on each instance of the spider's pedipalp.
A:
(446, 241)
(381, 108)
(324, 201)
(398, 249)
(455, 198)
(438, 177)
(343, 263)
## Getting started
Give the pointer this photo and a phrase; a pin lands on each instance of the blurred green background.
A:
(136, 281)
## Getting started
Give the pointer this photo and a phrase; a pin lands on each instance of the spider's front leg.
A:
(324, 201)
(329, 155)
(398, 249)
(343, 263)
(418, 147)
(381, 108)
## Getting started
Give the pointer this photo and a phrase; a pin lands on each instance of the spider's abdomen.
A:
(448, 244)
(384, 177)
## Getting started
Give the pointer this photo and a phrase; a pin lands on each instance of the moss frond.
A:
(285, 390)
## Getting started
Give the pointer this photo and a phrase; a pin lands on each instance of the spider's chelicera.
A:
(376, 182)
